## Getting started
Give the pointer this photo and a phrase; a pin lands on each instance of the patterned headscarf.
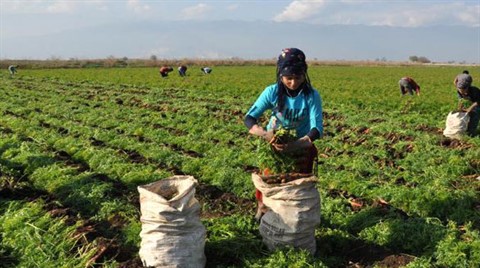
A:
(291, 62)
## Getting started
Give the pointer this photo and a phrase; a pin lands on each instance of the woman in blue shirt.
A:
(294, 104)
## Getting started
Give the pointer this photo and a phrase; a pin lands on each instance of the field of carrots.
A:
(76, 143)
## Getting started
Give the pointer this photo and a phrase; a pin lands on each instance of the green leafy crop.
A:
(270, 159)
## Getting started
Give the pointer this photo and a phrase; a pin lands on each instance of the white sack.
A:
(456, 125)
(172, 233)
(293, 215)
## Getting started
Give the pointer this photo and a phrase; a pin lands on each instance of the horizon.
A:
(326, 30)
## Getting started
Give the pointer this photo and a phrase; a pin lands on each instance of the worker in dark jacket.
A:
(12, 69)
(465, 91)
(182, 70)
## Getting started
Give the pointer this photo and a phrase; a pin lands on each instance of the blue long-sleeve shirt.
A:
(302, 112)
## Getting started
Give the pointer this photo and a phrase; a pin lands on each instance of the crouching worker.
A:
(408, 85)
(12, 69)
(206, 70)
(294, 104)
(164, 70)
(182, 70)
(465, 91)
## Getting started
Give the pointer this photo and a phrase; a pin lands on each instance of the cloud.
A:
(137, 6)
(470, 16)
(61, 7)
(48, 6)
(382, 13)
(453, 13)
(210, 55)
(232, 7)
(159, 51)
(195, 12)
(37, 6)
(300, 10)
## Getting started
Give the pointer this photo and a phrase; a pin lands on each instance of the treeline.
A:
(113, 62)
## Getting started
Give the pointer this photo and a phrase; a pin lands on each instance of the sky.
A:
(38, 20)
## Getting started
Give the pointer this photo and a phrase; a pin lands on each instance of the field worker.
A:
(407, 84)
(182, 70)
(206, 70)
(294, 104)
(12, 69)
(164, 70)
(456, 77)
(465, 90)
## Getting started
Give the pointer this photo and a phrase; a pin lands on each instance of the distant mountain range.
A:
(251, 40)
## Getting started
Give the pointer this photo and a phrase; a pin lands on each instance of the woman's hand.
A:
(268, 136)
(294, 146)
(259, 131)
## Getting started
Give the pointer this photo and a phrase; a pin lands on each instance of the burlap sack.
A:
(172, 233)
(456, 125)
(293, 215)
